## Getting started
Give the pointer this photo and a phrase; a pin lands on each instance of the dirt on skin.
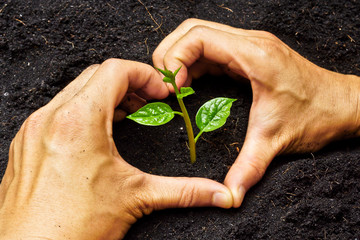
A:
(46, 44)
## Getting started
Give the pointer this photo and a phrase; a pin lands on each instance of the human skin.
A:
(65, 178)
(297, 106)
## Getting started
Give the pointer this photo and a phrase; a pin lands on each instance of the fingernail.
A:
(222, 200)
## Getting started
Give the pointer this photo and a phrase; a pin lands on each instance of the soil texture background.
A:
(46, 44)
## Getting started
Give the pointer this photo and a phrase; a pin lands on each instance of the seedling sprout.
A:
(210, 116)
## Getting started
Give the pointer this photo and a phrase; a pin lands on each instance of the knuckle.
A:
(138, 187)
(268, 43)
(112, 63)
(66, 123)
(33, 123)
(275, 48)
(116, 66)
(92, 67)
(269, 50)
(184, 27)
(271, 47)
(157, 54)
(255, 76)
(188, 196)
(198, 30)
(138, 181)
(30, 131)
(34, 119)
(268, 35)
(190, 22)
(67, 116)
(16, 143)
(258, 168)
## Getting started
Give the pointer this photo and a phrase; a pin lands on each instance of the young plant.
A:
(210, 116)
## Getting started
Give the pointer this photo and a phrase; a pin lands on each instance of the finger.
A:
(132, 102)
(202, 67)
(181, 30)
(109, 84)
(216, 46)
(249, 167)
(119, 115)
(188, 24)
(195, 71)
(8, 176)
(171, 39)
(74, 87)
(185, 27)
(181, 192)
(199, 69)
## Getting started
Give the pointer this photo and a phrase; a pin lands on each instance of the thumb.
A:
(182, 192)
(249, 167)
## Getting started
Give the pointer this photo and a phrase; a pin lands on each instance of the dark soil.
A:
(45, 44)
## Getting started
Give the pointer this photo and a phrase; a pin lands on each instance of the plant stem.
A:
(188, 125)
(179, 113)
(197, 136)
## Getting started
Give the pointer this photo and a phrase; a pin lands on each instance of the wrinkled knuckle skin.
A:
(272, 47)
(272, 50)
(189, 194)
(259, 169)
(32, 125)
(65, 124)
(139, 189)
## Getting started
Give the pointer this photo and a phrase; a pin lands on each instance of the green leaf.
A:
(213, 114)
(185, 91)
(169, 75)
(153, 114)
(176, 71)
(164, 72)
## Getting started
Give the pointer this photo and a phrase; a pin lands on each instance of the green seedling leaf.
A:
(153, 114)
(165, 72)
(169, 75)
(213, 114)
(177, 70)
(185, 91)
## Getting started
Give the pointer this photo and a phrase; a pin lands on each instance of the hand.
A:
(297, 106)
(66, 180)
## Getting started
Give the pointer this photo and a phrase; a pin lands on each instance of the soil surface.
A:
(46, 44)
